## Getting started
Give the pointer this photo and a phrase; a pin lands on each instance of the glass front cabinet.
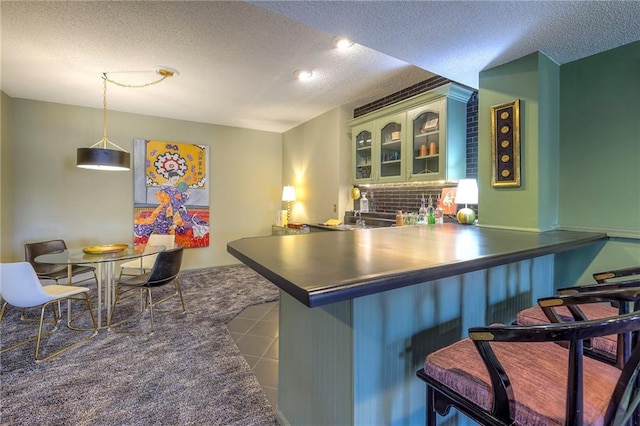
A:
(389, 157)
(363, 153)
(427, 152)
(420, 139)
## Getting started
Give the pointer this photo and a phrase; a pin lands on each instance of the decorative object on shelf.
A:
(505, 144)
(355, 193)
(467, 193)
(448, 199)
(288, 195)
(430, 125)
(99, 156)
(433, 148)
(105, 248)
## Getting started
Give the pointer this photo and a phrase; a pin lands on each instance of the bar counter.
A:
(328, 267)
(360, 310)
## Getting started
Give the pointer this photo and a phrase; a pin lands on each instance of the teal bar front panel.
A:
(314, 368)
(355, 362)
(394, 331)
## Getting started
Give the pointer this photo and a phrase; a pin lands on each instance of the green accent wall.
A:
(580, 152)
(534, 80)
(600, 142)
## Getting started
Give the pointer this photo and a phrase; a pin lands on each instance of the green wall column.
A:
(534, 80)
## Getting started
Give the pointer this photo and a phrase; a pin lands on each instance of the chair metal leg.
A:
(64, 349)
(53, 321)
(177, 293)
(148, 302)
(150, 309)
(179, 290)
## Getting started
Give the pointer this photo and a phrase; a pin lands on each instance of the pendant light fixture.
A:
(106, 155)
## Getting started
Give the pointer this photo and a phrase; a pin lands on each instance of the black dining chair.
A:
(165, 270)
(507, 375)
(603, 347)
(55, 272)
(605, 276)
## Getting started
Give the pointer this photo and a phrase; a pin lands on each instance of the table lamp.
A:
(288, 195)
(467, 193)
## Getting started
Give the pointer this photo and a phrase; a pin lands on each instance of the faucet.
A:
(359, 221)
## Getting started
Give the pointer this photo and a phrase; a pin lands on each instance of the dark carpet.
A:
(189, 372)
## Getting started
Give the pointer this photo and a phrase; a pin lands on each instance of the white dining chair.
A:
(145, 263)
(20, 287)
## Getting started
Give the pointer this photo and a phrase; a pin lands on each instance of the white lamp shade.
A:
(288, 193)
(467, 192)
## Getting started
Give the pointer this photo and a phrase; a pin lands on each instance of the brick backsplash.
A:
(389, 198)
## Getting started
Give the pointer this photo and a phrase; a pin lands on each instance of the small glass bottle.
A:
(431, 219)
(422, 212)
(439, 213)
(364, 203)
(399, 218)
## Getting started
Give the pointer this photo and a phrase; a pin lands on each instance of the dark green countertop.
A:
(328, 267)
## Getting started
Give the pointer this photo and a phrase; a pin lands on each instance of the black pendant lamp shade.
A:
(98, 156)
(103, 159)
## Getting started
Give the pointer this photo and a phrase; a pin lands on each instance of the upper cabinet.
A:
(420, 139)
(390, 142)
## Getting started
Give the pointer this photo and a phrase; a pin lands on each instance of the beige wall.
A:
(6, 187)
(316, 160)
(52, 198)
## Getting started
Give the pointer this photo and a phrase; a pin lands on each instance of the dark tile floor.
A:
(255, 331)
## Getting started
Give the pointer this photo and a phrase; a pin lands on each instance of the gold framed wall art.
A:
(505, 144)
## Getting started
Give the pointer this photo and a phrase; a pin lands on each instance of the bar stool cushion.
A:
(545, 389)
(606, 344)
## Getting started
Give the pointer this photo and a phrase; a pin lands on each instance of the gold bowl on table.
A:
(105, 248)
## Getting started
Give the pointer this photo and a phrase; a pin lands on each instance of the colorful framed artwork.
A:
(448, 200)
(505, 144)
(171, 192)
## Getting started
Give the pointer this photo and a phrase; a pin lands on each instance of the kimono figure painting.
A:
(172, 173)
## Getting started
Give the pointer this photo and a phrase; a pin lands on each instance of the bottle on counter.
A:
(439, 213)
(422, 212)
(399, 219)
(364, 203)
(431, 218)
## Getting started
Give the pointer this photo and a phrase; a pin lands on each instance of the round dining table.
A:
(105, 257)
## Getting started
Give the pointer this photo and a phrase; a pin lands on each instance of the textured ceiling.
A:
(458, 39)
(236, 59)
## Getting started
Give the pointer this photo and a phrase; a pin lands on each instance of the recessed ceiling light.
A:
(303, 74)
(342, 43)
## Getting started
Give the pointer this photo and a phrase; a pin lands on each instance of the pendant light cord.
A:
(105, 140)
